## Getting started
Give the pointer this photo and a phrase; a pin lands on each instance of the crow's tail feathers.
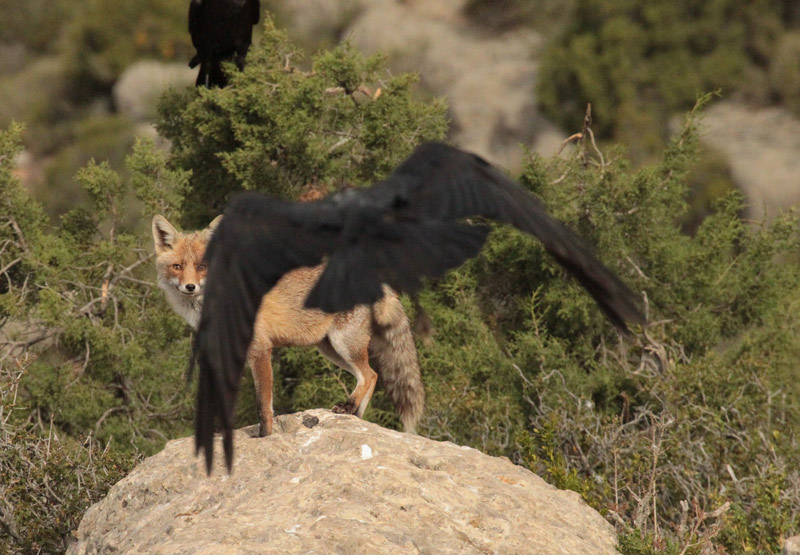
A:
(215, 402)
(210, 74)
(204, 421)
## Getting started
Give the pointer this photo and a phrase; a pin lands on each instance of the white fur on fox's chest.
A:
(188, 307)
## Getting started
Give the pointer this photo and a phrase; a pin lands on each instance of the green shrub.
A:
(47, 478)
(784, 71)
(679, 433)
(675, 432)
(105, 36)
(112, 350)
(640, 63)
(278, 128)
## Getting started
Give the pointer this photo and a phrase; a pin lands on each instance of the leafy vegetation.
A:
(639, 63)
(92, 363)
(100, 45)
(281, 129)
(50, 478)
(683, 434)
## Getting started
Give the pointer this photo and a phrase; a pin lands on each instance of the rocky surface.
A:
(761, 146)
(137, 90)
(340, 486)
(791, 546)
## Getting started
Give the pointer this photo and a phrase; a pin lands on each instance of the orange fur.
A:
(379, 333)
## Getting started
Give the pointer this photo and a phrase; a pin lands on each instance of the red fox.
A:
(379, 334)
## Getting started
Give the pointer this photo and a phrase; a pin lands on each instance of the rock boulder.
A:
(327, 483)
(761, 146)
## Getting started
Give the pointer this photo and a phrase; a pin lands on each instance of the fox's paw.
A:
(348, 407)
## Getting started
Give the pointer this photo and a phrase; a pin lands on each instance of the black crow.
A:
(404, 228)
(221, 30)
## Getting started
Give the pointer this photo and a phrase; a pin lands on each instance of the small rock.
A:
(309, 421)
(137, 90)
(792, 546)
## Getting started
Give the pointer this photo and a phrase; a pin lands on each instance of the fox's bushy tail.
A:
(394, 357)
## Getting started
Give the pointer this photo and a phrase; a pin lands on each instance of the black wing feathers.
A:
(403, 229)
(442, 184)
(251, 249)
(355, 272)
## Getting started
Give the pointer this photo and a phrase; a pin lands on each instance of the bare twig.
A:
(10, 265)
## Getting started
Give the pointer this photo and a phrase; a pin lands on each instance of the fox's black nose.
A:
(190, 287)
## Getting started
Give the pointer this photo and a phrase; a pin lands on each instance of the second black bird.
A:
(221, 30)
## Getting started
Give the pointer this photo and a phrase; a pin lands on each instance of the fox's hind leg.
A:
(261, 367)
(351, 352)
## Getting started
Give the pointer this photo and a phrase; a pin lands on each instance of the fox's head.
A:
(179, 257)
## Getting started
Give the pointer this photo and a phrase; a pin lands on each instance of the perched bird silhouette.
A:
(396, 232)
(221, 30)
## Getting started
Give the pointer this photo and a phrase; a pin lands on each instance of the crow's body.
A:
(221, 30)
(400, 230)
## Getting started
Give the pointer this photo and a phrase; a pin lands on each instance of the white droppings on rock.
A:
(314, 437)
(366, 452)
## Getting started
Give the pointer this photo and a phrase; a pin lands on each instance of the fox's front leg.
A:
(261, 367)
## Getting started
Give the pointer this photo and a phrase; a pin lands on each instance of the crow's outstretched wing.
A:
(398, 253)
(255, 244)
(439, 184)
(396, 232)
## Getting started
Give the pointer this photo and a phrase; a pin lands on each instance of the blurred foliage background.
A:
(684, 434)
(639, 62)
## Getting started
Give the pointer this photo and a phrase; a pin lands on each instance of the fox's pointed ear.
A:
(213, 225)
(164, 234)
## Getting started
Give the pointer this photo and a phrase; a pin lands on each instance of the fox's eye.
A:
(176, 266)
(201, 267)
